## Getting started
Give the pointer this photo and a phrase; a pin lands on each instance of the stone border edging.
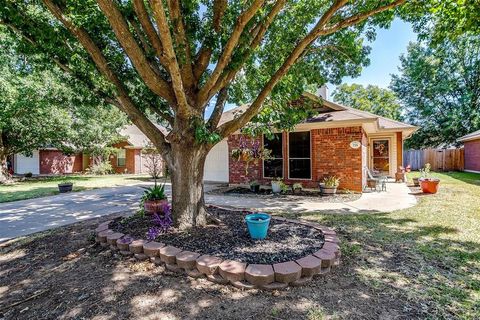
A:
(239, 274)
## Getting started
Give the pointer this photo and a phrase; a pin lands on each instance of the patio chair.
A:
(377, 183)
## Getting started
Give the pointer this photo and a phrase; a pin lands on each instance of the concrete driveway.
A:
(25, 217)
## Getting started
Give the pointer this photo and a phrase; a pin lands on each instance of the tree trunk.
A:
(186, 168)
(4, 174)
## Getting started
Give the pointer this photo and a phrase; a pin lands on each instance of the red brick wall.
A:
(334, 156)
(331, 155)
(472, 155)
(55, 162)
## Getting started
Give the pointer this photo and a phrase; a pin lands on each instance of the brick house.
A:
(471, 144)
(339, 140)
(51, 161)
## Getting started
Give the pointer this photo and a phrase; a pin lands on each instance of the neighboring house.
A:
(471, 144)
(50, 161)
(339, 140)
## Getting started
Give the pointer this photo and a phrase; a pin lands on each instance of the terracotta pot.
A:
(429, 185)
(154, 206)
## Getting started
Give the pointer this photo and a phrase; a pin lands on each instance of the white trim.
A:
(390, 152)
(263, 161)
(471, 171)
(288, 156)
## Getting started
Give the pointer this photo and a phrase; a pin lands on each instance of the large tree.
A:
(371, 98)
(439, 87)
(175, 57)
(39, 108)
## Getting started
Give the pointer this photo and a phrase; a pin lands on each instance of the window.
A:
(299, 161)
(121, 155)
(273, 168)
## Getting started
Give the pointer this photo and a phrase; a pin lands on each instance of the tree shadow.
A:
(391, 268)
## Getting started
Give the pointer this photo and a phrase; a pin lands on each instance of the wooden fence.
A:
(439, 159)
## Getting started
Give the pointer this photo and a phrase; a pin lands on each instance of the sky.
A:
(384, 56)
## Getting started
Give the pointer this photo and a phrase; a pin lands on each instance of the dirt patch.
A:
(266, 193)
(230, 240)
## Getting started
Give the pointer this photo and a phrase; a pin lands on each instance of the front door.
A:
(381, 156)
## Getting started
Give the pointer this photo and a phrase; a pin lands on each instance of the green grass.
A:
(428, 254)
(46, 186)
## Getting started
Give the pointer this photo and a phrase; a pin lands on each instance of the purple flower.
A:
(153, 233)
(164, 221)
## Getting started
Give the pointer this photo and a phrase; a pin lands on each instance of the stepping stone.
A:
(208, 264)
(137, 246)
(152, 248)
(287, 272)
(232, 270)
(311, 265)
(242, 285)
(141, 256)
(327, 257)
(101, 227)
(194, 273)
(301, 282)
(168, 253)
(102, 235)
(174, 268)
(215, 278)
(259, 274)
(274, 286)
(187, 259)
(124, 243)
(113, 237)
(334, 239)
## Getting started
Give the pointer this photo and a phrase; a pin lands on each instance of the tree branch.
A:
(182, 43)
(205, 52)
(218, 109)
(158, 85)
(319, 30)
(183, 109)
(124, 101)
(149, 29)
(232, 42)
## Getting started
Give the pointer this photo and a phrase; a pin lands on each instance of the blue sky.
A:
(384, 57)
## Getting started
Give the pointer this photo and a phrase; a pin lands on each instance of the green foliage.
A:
(156, 192)
(382, 102)
(41, 106)
(440, 90)
(101, 168)
(331, 182)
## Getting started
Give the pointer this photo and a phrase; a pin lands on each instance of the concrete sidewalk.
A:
(29, 216)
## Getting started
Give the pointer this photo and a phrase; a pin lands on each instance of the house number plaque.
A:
(355, 144)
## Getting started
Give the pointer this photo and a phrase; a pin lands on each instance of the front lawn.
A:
(46, 186)
(418, 263)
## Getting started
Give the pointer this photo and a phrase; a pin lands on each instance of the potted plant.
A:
(297, 187)
(255, 186)
(428, 183)
(154, 199)
(416, 182)
(257, 225)
(329, 185)
(65, 186)
(277, 185)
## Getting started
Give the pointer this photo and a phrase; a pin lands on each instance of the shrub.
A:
(101, 168)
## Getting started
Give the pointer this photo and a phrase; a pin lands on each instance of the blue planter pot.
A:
(257, 224)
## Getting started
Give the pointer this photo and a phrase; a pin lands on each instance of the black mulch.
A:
(230, 240)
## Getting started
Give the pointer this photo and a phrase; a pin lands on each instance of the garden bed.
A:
(267, 193)
(230, 240)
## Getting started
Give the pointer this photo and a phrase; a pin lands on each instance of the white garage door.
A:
(216, 165)
(23, 164)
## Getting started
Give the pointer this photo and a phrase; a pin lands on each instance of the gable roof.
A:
(471, 136)
(135, 137)
(334, 112)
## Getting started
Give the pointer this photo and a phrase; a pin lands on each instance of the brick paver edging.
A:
(239, 274)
